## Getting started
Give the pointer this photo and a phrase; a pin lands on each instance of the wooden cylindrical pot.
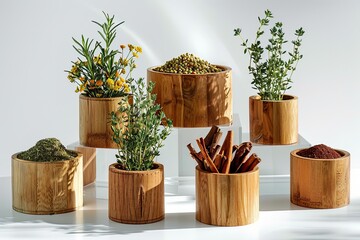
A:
(47, 187)
(194, 100)
(320, 183)
(94, 121)
(227, 199)
(273, 122)
(136, 197)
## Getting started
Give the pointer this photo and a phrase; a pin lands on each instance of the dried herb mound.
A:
(319, 151)
(47, 150)
(188, 64)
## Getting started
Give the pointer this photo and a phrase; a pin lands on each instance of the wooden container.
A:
(89, 164)
(94, 121)
(273, 122)
(194, 100)
(227, 199)
(47, 187)
(136, 196)
(320, 183)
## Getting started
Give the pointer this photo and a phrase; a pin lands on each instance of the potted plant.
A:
(193, 92)
(136, 182)
(102, 75)
(47, 179)
(320, 177)
(273, 115)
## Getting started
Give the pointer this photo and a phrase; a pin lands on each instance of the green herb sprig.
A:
(272, 76)
(137, 128)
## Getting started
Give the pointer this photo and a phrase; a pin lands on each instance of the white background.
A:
(37, 101)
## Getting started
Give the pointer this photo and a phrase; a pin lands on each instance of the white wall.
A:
(37, 100)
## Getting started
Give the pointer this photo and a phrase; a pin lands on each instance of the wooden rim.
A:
(344, 154)
(289, 98)
(79, 155)
(254, 171)
(98, 99)
(224, 70)
(113, 169)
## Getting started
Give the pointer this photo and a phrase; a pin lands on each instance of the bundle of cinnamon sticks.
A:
(227, 158)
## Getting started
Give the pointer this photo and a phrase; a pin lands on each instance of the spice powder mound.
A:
(319, 151)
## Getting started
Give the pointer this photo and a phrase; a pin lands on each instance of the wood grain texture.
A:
(136, 197)
(47, 187)
(94, 121)
(320, 183)
(189, 100)
(89, 164)
(273, 122)
(227, 199)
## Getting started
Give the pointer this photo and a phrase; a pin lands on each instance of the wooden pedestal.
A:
(136, 196)
(273, 122)
(47, 187)
(320, 183)
(227, 199)
(194, 100)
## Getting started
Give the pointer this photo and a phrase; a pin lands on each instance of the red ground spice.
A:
(319, 151)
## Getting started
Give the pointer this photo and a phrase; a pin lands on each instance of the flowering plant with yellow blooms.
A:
(100, 71)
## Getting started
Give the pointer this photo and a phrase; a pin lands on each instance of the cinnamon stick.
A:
(254, 164)
(209, 137)
(207, 159)
(196, 156)
(240, 156)
(247, 164)
(227, 148)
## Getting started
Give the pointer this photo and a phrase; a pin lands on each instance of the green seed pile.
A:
(188, 64)
(47, 150)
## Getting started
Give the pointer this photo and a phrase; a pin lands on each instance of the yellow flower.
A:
(126, 88)
(138, 49)
(82, 87)
(123, 71)
(131, 47)
(118, 83)
(110, 83)
(122, 46)
(82, 79)
(135, 54)
(73, 69)
(117, 74)
(134, 65)
(70, 77)
(122, 80)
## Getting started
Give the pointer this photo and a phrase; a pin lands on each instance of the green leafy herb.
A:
(137, 128)
(273, 76)
(100, 71)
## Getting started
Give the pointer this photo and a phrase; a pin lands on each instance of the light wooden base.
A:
(89, 164)
(136, 197)
(47, 187)
(320, 183)
(194, 100)
(273, 122)
(227, 199)
(94, 121)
